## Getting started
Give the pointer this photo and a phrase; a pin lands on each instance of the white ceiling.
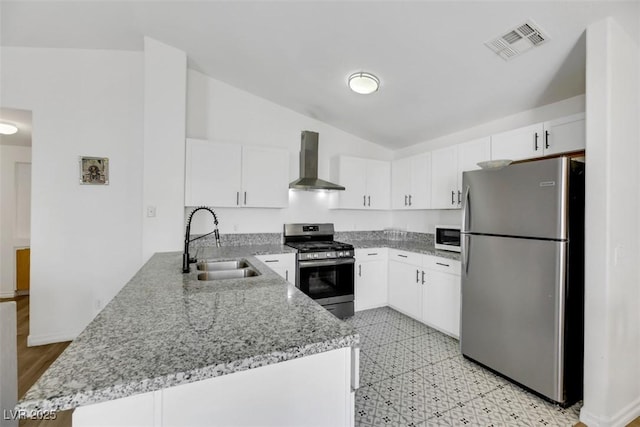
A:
(437, 76)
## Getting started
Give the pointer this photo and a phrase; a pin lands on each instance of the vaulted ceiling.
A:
(437, 76)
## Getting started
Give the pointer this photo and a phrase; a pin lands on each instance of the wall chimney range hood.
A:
(309, 166)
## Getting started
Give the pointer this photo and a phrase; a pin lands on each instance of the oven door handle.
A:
(326, 263)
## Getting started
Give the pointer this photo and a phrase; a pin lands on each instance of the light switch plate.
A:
(151, 211)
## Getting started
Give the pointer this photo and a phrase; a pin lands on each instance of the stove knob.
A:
(315, 255)
(340, 253)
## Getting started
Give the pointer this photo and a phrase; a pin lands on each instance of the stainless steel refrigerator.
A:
(522, 253)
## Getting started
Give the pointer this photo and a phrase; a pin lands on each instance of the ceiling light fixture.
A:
(8, 129)
(363, 83)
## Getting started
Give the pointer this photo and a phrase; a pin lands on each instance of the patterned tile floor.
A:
(413, 375)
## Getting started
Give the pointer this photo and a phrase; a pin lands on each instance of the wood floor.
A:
(33, 361)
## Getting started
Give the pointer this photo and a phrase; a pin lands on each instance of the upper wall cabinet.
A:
(562, 135)
(411, 182)
(367, 183)
(231, 175)
(448, 164)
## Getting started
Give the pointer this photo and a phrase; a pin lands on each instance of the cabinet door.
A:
(352, 175)
(212, 173)
(522, 143)
(444, 180)
(378, 184)
(469, 154)
(420, 182)
(265, 177)
(371, 284)
(400, 183)
(441, 301)
(565, 134)
(405, 293)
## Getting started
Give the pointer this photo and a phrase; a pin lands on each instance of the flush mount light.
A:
(363, 83)
(8, 129)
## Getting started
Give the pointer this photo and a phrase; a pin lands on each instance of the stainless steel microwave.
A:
(448, 238)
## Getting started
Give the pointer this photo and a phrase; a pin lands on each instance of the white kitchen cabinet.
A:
(562, 135)
(411, 182)
(367, 183)
(371, 278)
(212, 173)
(447, 168)
(441, 294)
(265, 177)
(283, 264)
(444, 181)
(231, 175)
(405, 292)
(565, 134)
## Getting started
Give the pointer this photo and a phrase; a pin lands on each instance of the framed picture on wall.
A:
(94, 170)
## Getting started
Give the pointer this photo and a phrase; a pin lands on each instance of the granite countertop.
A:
(164, 329)
(418, 246)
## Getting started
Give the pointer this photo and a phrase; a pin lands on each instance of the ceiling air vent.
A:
(517, 40)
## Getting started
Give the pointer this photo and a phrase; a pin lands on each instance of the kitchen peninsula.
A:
(172, 350)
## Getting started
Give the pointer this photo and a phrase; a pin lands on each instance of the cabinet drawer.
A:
(372, 254)
(405, 257)
(276, 259)
(444, 265)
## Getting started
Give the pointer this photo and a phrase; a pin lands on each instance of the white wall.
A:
(612, 284)
(424, 221)
(13, 234)
(85, 240)
(217, 111)
(165, 83)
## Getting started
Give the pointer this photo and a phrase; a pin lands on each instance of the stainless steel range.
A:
(325, 267)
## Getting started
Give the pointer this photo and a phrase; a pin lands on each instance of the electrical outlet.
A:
(151, 211)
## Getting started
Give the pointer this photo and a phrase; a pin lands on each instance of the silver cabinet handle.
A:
(535, 142)
(546, 139)
(245, 197)
(237, 198)
(453, 195)
(459, 196)
(405, 200)
(442, 264)
(375, 253)
(286, 275)
(369, 202)
(402, 256)
(364, 200)
(423, 277)
(270, 260)
(417, 276)
(360, 270)
(409, 199)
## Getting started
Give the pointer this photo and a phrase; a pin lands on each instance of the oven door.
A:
(327, 281)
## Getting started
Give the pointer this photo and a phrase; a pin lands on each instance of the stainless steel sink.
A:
(222, 265)
(228, 274)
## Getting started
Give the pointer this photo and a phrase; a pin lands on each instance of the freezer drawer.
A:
(513, 293)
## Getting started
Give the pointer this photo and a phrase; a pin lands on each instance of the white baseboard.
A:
(34, 340)
(621, 419)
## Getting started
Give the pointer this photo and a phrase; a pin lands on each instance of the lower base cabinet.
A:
(426, 288)
(441, 295)
(371, 278)
(405, 292)
(283, 264)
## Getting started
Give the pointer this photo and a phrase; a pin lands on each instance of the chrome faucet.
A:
(185, 256)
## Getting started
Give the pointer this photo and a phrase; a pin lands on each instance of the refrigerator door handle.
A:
(465, 253)
(466, 210)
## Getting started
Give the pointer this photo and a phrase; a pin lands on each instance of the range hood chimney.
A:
(309, 166)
